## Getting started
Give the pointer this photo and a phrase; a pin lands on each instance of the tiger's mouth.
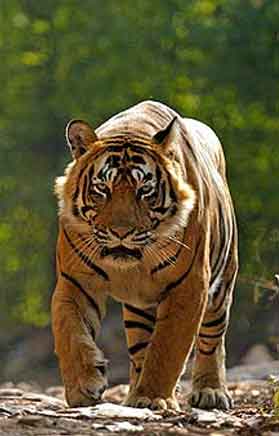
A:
(121, 252)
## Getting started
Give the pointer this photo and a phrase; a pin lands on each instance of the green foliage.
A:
(274, 383)
(213, 60)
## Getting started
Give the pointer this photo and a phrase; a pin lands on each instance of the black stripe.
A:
(140, 312)
(89, 297)
(208, 353)
(91, 173)
(158, 174)
(169, 261)
(138, 168)
(141, 148)
(172, 193)
(86, 259)
(119, 148)
(216, 336)
(92, 332)
(173, 210)
(215, 322)
(162, 194)
(126, 156)
(161, 210)
(85, 209)
(138, 160)
(136, 324)
(222, 246)
(101, 174)
(114, 148)
(155, 222)
(84, 190)
(212, 249)
(137, 347)
(221, 302)
(157, 185)
(173, 285)
(233, 229)
(136, 148)
(76, 193)
(58, 260)
(75, 210)
(113, 161)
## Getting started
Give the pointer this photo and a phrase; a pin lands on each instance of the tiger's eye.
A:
(101, 187)
(144, 190)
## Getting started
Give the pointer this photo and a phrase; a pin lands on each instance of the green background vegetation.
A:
(217, 61)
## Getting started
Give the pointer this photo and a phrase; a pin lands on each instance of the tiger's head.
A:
(124, 196)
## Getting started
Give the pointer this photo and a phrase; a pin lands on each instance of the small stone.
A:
(110, 410)
(119, 427)
(205, 417)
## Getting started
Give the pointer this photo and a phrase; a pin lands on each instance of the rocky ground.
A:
(27, 410)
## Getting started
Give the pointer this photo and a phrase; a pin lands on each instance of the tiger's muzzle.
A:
(121, 252)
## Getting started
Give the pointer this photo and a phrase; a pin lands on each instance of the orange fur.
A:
(175, 288)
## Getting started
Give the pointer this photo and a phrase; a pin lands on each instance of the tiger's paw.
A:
(152, 403)
(210, 398)
(87, 391)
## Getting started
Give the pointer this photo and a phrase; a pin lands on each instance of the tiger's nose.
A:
(121, 232)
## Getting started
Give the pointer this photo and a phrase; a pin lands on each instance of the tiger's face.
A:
(124, 199)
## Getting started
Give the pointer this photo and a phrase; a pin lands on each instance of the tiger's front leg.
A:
(139, 326)
(76, 318)
(178, 321)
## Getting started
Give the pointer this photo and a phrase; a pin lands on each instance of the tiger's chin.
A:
(121, 257)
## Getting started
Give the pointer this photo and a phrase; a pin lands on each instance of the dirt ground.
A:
(27, 410)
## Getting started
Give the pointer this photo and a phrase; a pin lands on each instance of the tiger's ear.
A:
(80, 136)
(166, 137)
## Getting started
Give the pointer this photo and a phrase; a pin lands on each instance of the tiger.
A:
(145, 217)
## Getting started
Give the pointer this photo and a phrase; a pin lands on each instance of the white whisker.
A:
(177, 241)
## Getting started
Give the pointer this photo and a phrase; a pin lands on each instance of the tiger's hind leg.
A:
(139, 324)
(209, 374)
